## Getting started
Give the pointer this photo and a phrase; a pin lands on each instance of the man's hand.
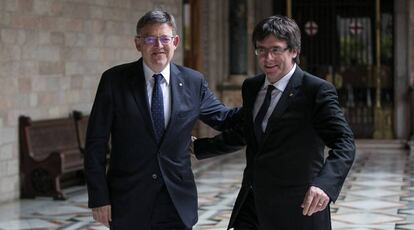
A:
(315, 200)
(102, 214)
(193, 138)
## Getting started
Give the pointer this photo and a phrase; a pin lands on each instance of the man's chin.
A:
(271, 73)
(159, 61)
(159, 65)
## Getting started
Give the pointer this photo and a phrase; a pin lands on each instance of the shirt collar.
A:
(149, 73)
(282, 83)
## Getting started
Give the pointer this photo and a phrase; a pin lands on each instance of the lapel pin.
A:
(291, 94)
(180, 84)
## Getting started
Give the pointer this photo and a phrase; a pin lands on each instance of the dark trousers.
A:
(247, 217)
(164, 215)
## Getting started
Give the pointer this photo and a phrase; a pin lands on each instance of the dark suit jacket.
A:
(290, 157)
(138, 166)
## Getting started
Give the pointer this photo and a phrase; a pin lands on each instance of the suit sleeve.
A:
(230, 140)
(97, 137)
(232, 137)
(331, 126)
(214, 113)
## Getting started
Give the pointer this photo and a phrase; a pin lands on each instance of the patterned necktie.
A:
(262, 112)
(157, 107)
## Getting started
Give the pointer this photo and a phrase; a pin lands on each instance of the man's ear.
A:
(295, 52)
(176, 41)
(138, 44)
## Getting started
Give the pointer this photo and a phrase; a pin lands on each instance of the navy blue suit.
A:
(138, 166)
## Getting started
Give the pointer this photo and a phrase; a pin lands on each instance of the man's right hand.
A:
(102, 214)
(193, 138)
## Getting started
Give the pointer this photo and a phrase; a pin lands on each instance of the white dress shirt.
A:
(280, 86)
(165, 87)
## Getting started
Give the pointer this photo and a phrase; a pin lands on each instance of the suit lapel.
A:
(177, 87)
(252, 91)
(249, 99)
(138, 88)
(288, 94)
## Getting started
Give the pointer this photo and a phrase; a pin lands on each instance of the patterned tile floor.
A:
(377, 195)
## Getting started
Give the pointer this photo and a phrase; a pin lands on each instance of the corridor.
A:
(378, 194)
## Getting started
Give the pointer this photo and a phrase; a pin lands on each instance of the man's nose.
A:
(158, 43)
(269, 54)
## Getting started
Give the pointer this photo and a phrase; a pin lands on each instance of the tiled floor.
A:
(378, 195)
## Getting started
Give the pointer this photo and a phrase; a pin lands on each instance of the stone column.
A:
(243, 16)
(410, 50)
(238, 39)
(402, 102)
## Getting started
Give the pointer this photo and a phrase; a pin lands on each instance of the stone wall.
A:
(52, 53)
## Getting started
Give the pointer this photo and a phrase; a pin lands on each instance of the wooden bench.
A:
(81, 122)
(49, 154)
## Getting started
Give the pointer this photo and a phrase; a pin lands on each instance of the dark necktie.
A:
(262, 112)
(157, 107)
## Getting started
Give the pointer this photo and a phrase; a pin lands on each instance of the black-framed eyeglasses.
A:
(151, 40)
(260, 51)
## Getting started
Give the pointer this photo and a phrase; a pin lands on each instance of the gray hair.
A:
(156, 17)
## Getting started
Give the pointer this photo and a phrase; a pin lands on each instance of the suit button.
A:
(154, 176)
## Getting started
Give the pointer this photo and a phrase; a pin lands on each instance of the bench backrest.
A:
(43, 137)
(81, 122)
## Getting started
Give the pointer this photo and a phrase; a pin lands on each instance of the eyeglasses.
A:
(261, 51)
(151, 40)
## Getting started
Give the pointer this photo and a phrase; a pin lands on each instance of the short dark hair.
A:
(156, 17)
(281, 27)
